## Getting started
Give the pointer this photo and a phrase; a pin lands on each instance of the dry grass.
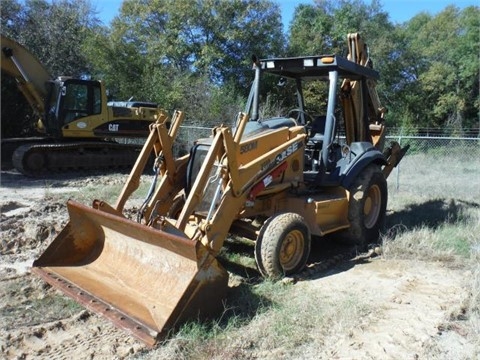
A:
(423, 176)
(105, 188)
(285, 323)
(440, 222)
(423, 234)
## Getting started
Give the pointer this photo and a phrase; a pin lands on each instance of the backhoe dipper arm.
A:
(364, 114)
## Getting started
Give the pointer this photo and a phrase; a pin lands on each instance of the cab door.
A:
(78, 99)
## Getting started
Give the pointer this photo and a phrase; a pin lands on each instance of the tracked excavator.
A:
(281, 182)
(78, 126)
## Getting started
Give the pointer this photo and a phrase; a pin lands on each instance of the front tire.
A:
(177, 206)
(283, 245)
(367, 207)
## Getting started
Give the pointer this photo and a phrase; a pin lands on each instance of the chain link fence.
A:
(438, 167)
(440, 146)
(187, 136)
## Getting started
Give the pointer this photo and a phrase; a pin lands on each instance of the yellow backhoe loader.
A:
(76, 121)
(280, 182)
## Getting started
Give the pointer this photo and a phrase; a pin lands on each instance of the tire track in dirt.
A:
(40, 323)
(82, 336)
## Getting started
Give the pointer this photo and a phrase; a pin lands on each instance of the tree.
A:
(187, 54)
(322, 28)
(53, 31)
(119, 63)
(441, 70)
(211, 37)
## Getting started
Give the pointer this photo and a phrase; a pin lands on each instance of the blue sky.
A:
(398, 10)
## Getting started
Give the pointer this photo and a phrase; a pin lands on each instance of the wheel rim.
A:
(292, 249)
(371, 208)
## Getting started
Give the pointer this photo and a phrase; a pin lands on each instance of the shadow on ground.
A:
(431, 214)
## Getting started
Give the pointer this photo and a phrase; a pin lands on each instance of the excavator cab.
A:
(68, 100)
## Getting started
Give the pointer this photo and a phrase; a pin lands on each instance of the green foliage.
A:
(440, 76)
(117, 63)
(52, 31)
(195, 56)
(322, 28)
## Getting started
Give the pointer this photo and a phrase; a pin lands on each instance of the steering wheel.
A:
(309, 122)
(300, 111)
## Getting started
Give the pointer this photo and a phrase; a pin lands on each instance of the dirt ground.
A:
(419, 305)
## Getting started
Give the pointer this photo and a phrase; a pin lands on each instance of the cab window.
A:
(81, 99)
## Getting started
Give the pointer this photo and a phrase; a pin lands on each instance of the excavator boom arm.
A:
(30, 74)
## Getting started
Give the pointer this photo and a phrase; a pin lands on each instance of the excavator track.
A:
(40, 159)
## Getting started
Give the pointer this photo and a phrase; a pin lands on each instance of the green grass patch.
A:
(455, 239)
(435, 230)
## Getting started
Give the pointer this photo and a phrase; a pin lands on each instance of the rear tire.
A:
(283, 245)
(367, 207)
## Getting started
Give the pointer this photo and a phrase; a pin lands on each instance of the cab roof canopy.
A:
(316, 67)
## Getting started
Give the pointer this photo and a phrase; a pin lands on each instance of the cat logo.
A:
(113, 127)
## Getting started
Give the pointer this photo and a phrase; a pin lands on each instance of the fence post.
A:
(398, 166)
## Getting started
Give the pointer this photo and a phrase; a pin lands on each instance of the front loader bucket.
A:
(144, 280)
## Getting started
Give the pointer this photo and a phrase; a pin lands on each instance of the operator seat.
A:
(317, 129)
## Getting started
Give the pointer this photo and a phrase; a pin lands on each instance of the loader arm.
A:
(242, 184)
(30, 75)
(230, 174)
(160, 143)
(145, 280)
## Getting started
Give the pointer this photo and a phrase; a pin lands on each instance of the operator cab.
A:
(334, 129)
(70, 99)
